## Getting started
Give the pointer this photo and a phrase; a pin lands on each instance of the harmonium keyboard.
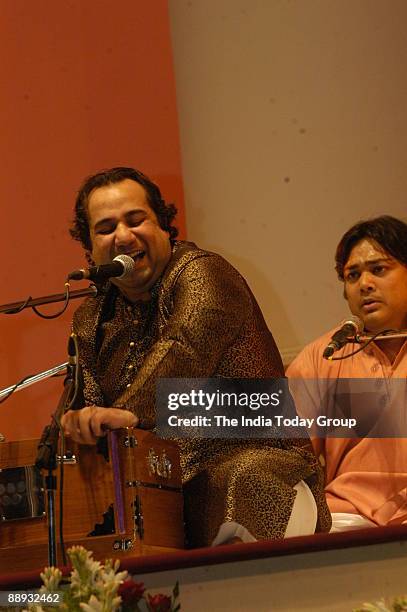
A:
(122, 497)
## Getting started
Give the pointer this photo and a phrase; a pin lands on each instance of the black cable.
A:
(15, 387)
(57, 314)
(74, 355)
(363, 346)
(20, 308)
(20, 382)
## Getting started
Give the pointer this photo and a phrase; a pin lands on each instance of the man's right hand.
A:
(88, 424)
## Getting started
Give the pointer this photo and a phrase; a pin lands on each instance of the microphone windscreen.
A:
(128, 265)
(356, 322)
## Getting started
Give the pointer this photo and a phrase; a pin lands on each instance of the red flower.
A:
(159, 603)
(131, 592)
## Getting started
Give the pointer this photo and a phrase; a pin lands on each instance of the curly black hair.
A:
(389, 233)
(80, 226)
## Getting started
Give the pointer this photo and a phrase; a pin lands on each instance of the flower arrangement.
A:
(398, 604)
(93, 587)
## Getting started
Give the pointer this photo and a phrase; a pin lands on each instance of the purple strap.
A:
(118, 494)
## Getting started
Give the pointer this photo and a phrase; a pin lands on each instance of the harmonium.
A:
(120, 498)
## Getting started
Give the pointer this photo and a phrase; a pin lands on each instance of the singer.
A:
(180, 312)
(366, 478)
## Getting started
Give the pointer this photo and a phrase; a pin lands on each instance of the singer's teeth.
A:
(138, 255)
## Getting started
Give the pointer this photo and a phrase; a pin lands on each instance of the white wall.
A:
(293, 127)
(337, 580)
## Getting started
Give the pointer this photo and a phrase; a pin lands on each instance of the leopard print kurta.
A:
(202, 321)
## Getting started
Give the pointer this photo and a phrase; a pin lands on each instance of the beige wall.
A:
(293, 127)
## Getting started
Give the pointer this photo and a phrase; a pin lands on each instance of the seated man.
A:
(366, 479)
(182, 312)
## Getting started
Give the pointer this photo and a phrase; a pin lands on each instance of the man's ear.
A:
(344, 293)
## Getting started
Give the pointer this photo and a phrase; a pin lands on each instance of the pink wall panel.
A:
(85, 85)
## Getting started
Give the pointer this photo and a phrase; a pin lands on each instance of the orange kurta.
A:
(366, 476)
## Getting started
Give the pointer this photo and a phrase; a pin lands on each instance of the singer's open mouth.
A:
(138, 255)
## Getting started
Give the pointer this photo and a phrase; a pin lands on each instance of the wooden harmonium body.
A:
(122, 498)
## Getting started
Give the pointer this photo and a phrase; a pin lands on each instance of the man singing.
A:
(366, 478)
(182, 312)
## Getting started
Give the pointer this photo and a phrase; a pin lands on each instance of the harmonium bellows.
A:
(122, 497)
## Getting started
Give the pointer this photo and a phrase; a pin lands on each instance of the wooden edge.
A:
(237, 552)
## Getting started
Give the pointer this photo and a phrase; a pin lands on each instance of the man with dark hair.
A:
(165, 213)
(182, 312)
(387, 232)
(366, 478)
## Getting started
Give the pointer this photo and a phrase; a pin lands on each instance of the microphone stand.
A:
(31, 380)
(384, 336)
(16, 307)
(48, 447)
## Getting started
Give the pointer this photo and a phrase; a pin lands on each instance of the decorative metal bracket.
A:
(130, 441)
(68, 459)
(161, 466)
(122, 545)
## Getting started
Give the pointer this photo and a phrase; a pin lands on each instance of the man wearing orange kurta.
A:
(366, 478)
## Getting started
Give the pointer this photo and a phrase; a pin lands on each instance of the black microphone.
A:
(349, 329)
(120, 267)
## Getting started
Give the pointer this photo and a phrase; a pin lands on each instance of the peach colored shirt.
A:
(367, 476)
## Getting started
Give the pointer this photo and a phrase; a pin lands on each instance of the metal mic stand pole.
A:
(384, 336)
(31, 380)
(47, 458)
(17, 307)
